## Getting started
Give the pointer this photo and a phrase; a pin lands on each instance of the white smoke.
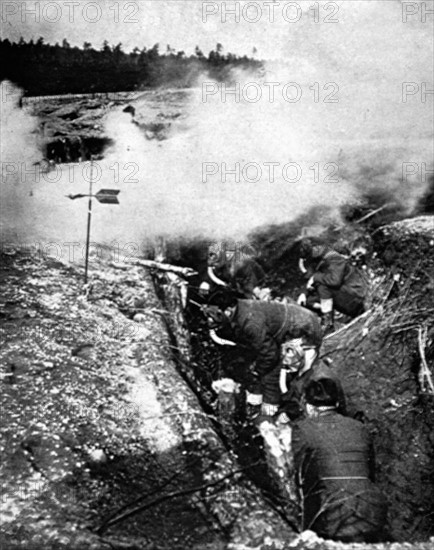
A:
(338, 150)
(19, 150)
(348, 132)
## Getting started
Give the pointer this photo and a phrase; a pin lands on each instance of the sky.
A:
(272, 27)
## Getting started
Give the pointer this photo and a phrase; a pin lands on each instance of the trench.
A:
(199, 362)
(186, 521)
(400, 418)
(76, 149)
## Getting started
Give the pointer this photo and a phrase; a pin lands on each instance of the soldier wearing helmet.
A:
(333, 282)
(232, 266)
(335, 470)
(295, 376)
(262, 328)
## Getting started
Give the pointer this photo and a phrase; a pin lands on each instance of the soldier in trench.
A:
(294, 378)
(262, 328)
(235, 269)
(335, 470)
(333, 283)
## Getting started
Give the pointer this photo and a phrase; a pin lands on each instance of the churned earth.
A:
(98, 422)
(108, 441)
(80, 425)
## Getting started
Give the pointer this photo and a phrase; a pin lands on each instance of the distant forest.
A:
(44, 69)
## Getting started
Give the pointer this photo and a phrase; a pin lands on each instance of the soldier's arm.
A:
(244, 280)
(267, 360)
(249, 276)
(291, 401)
(301, 451)
(258, 273)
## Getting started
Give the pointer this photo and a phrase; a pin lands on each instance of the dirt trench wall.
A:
(178, 432)
(379, 381)
(236, 504)
(378, 360)
(96, 416)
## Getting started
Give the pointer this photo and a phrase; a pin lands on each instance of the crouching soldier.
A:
(261, 328)
(333, 283)
(236, 271)
(334, 463)
(295, 374)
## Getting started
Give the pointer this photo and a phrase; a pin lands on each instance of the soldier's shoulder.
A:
(335, 256)
(245, 305)
(251, 309)
(298, 310)
(306, 426)
(353, 425)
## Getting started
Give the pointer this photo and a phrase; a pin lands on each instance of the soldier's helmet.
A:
(226, 252)
(322, 392)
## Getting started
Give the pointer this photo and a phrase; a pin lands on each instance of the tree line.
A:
(45, 69)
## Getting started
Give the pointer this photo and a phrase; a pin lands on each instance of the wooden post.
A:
(89, 219)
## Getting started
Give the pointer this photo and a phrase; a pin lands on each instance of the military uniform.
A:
(263, 327)
(241, 275)
(248, 275)
(334, 465)
(335, 278)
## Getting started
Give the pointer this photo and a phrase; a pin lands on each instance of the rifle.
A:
(151, 264)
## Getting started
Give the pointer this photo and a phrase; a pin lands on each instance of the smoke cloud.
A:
(338, 114)
(325, 123)
(18, 151)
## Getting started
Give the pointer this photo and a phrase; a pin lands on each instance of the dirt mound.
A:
(407, 246)
(426, 203)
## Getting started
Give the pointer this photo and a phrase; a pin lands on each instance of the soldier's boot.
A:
(327, 323)
(253, 406)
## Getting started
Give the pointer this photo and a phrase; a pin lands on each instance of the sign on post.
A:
(104, 196)
(107, 196)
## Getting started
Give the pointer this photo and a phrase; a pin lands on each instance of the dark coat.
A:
(334, 277)
(263, 327)
(241, 275)
(334, 463)
(248, 275)
(291, 401)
